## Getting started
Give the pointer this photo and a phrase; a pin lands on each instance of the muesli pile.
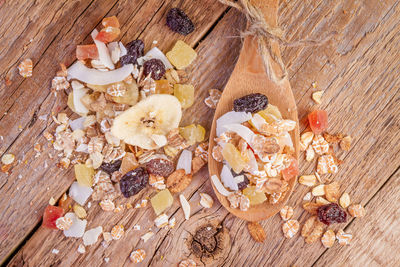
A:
(257, 152)
(128, 132)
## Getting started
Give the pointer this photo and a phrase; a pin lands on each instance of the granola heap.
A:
(256, 149)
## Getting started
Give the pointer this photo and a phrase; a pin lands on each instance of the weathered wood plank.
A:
(376, 234)
(145, 14)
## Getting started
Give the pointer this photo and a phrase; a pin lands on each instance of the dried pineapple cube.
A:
(84, 175)
(185, 94)
(164, 87)
(256, 197)
(234, 158)
(181, 55)
(192, 133)
(161, 201)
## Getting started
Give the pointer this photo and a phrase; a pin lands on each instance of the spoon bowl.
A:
(249, 76)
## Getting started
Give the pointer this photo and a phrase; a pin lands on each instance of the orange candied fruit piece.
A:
(87, 51)
(51, 214)
(318, 120)
(108, 34)
(163, 87)
(110, 22)
(291, 171)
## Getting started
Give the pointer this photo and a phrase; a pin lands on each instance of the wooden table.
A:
(358, 69)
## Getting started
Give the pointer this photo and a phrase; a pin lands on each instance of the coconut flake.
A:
(77, 228)
(77, 123)
(257, 120)
(114, 51)
(231, 117)
(104, 54)
(242, 131)
(159, 139)
(82, 148)
(185, 206)
(185, 161)
(123, 49)
(252, 165)
(80, 193)
(79, 91)
(90, 237)
(227, 178)
(155, 53)
(93, 76)
(220, 187)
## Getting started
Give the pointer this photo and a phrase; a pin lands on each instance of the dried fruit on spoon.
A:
(257, 153)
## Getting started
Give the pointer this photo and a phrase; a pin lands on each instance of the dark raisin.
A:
(331, 213)
(134, 181)
(135, 49)
(243, 185)
(179, 22)
(156, 67)
(111, 167)
(250, 103)
(161, 167)
(128, 59)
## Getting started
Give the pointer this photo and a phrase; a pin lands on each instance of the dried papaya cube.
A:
(110, 22)
(87, 51)
(108, 34)
(51, 214)
(181, 55)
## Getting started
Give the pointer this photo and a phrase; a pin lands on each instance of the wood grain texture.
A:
(357, 69)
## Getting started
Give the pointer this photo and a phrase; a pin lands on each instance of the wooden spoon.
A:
(249, 76)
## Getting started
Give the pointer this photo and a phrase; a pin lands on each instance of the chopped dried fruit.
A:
(87, 51)
(192, 133)
(137, 256)
(161, 201)
(343, 238)
(292, 171)
(328, 239)
(270, 114)
(318, 121)
(234, 158)
(179, 22)
(332, 192)
(84, 174)
(197, 164)
(111, 166)
(129, 163)
(51, 214)
(160, 166)
(255, 196)
(256, 231)
(250, 103)
(134, 181)
(25, 68)
(356, 210)
(305, 140)
(164, 87)
(110, 22)
(178, 181)
(290, 228)
(155, 67)
(181, 55)
(108, 34)
(185, 94)
(286, 213)
(331, 213)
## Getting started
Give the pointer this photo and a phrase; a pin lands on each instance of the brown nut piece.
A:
(178, 181)
(256, 231)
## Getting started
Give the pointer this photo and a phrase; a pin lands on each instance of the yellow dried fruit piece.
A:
(84, 174)
(181, 55)
(234, 158)
(98, 88)
(193, 133)
(255, 197)
(271, 113)
(185, 94)
(161, 201)
(164, 87)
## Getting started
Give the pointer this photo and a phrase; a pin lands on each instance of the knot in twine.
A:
(265, 33)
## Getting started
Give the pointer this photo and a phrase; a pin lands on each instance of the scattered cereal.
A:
(290, 228)
(346, 143)
(117, 232)
(356, 210)
(8, 159)
(328, 239)
(319, 190)
(187, 263)
(146, 236)
(286, 213)
(25, 68)
(137, 255)
(63, 223)
(308, 180)
(316, 96)
(206, 200)
(343, 238)
(344, 200)
(81, 249)
(256, 231)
